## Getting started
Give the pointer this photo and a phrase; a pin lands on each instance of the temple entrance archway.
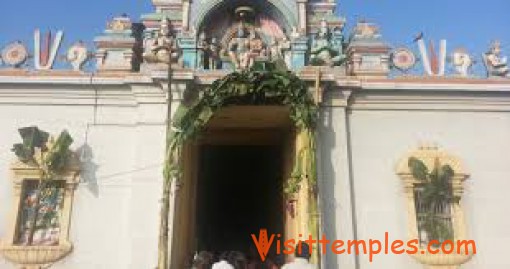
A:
(270, 107)
(235, 173)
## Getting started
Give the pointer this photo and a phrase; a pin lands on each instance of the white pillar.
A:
(335, 182)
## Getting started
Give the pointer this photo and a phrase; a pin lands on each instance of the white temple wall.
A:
(122, 140)
(480, 139)
(114, 222)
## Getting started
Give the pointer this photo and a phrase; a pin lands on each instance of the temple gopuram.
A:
(235, 126)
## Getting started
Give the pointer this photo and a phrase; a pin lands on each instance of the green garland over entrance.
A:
(251, 87)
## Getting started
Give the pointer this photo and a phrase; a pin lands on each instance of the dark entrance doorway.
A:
(239, 192)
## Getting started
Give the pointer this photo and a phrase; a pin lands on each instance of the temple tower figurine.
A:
(368, 54)
(115, 47)
(496, 64)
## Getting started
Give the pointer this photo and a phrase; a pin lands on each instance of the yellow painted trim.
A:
(429, 154)
(35, 257)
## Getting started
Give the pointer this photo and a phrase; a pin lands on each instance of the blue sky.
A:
(468, 23)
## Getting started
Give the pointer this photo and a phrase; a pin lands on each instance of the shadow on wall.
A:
(328, 200)
(88, 168)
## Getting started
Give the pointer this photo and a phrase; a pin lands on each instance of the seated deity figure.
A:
(322, 51)
(161, 48)
(239, 49)
(256, 48)
(496, 64)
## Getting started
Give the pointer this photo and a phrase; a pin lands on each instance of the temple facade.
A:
(408, 142)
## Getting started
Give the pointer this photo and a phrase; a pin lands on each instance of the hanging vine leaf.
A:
(437, 191)
(32, 138)
(57, 156)
(252, 87)
(418, 169)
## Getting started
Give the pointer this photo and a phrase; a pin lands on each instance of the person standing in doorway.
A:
(223, 262)
(302, 258)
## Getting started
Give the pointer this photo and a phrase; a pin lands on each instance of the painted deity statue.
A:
(239, 49)
(495, 63)
(214, 54)
(279, 50)
(324, 51)
(162, 47)
(256, 48)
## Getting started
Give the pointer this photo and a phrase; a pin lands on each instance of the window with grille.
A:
(40, 213)
(434, 220)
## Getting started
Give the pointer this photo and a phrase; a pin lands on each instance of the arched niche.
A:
(214, 17)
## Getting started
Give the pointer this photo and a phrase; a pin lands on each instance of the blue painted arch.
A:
(287, 8)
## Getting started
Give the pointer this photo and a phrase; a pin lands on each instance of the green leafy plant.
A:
(437, 190)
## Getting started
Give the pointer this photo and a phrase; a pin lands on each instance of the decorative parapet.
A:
(430, 155)
(323, 10)
(368, 55)
(115, 46)
(45, 252)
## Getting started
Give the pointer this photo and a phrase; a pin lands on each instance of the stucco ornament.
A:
(14, 54)
(121, 23)
(238, 49)
(495, 63)
(246, 46)
(77, 55)
(403, 59)
(462, 62)
(161, 48)
(214, 54)
(365, 30)
(326, 50)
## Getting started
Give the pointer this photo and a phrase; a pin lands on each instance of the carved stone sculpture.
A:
(324, 51)
(365, 30)
(257, 48)
(495, 63)
(162, 47)
(214, 54)
(77, 55)
(279, 50)
(461, 61)
(14, 54)
(239, 51)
